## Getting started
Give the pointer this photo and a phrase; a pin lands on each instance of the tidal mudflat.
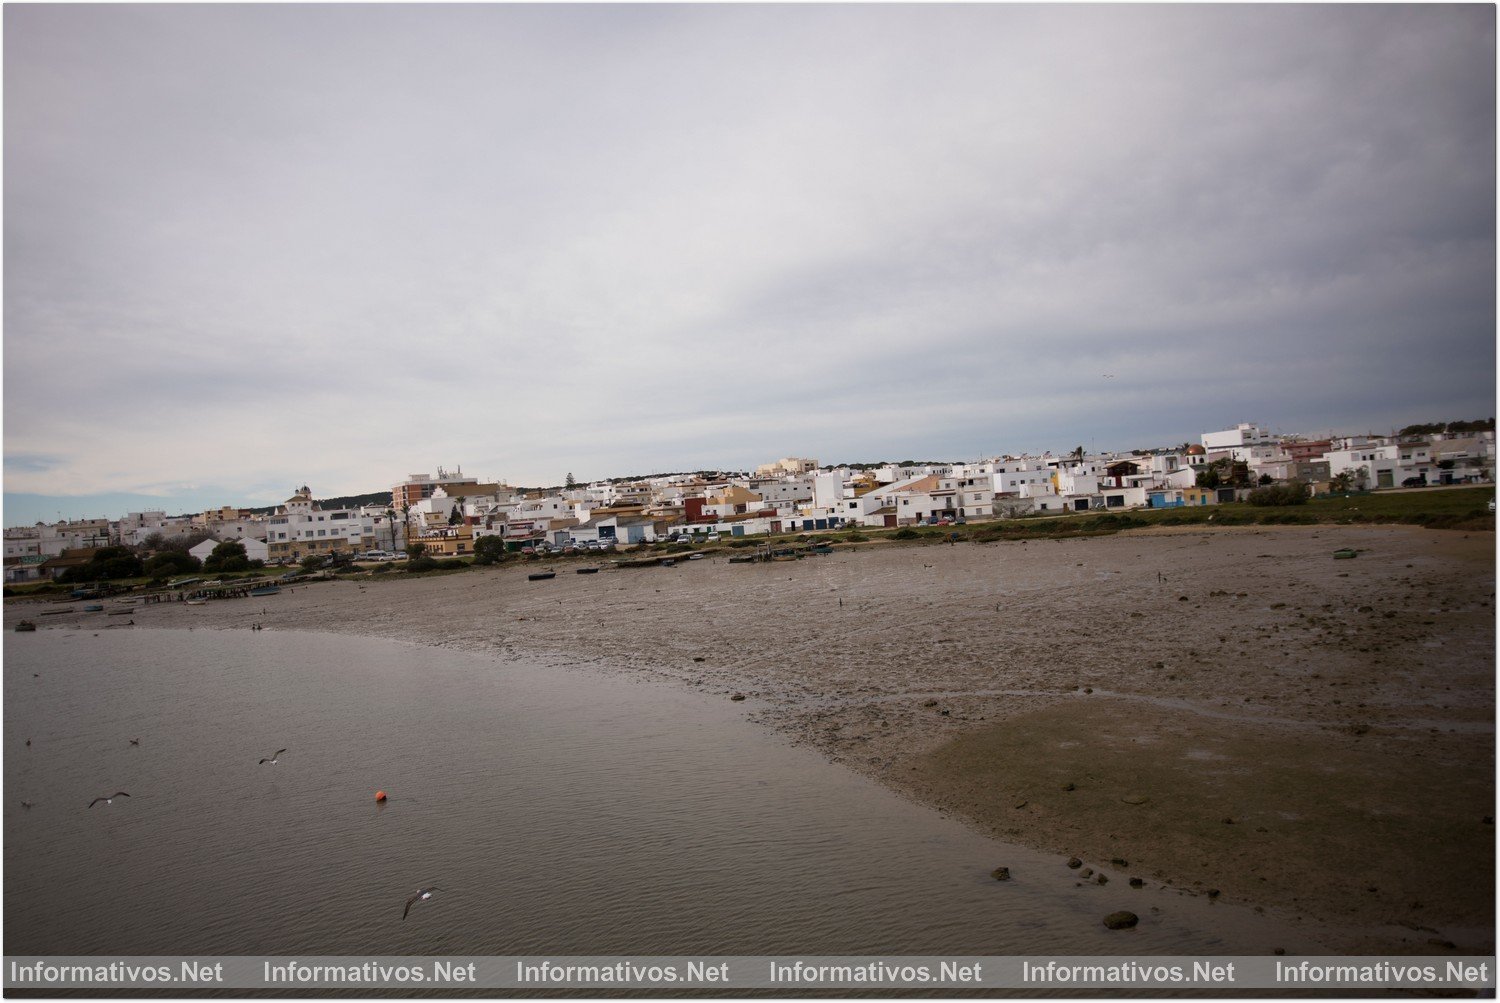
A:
(1239, 717)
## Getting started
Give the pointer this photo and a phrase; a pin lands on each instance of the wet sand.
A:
(1230, 712)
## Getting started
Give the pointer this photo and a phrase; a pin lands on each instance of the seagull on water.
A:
(26, 804)
(271, 758)
(423, 894)
(110, 799)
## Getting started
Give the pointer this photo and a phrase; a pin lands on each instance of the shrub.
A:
(856, 537)
(906, 533)
(1279, 494)
(421, 563)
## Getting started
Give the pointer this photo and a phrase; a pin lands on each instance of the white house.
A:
(255, 550)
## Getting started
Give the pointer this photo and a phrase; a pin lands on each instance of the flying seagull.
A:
(26, 804)
(271, 758)
(423, 894)
(110, 799)
(135, 741)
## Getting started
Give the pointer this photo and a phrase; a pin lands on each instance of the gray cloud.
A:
(256, 245)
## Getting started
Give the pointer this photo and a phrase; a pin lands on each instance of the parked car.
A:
(1414, 482)
(713, 538)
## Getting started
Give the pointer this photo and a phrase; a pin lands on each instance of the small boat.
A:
(197, 602)
(93, 608)
(538, 576)
(25, 626)
(266, 590)
(586, 571)
(1345, 554)
(695, 557)
(742, 559)
(668, 562)
(822, 548)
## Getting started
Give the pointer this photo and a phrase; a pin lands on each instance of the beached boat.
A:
(1344, 554)
(538, 576)
(93, 608)
(822, 548)
(668, 562)
(266, 590)
(695, 557)
(586, 571)
(743, 559)
(24, 626)
(197, 602)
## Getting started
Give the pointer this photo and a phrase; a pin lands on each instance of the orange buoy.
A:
(380, 795)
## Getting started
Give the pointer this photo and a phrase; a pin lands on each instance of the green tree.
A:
(489, 550)
(228, 556)
(312, 562)
(171, 562)
(415, 550)
(107, 563)
(1208, 477)
(569, 481)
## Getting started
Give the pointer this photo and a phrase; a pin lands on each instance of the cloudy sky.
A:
(250, 247)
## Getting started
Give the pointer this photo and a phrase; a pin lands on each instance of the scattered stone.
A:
(698, 658)
(1001, 874)
(1074, 863)
(738, 696)
(1135, 799)
(1213, 893)
(945, 713)
(1435, 942)
(1087, 872)
(1070, 787)
(929, 703)
(1122, 920)
(1104, 879)
(1228, 820)
(1088, 689)
(1020, 804)
(1279, 950)
(1137, 883)
(1119, 861)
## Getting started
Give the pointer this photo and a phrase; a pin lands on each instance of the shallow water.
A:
(562, 811)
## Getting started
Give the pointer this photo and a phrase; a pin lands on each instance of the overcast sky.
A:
(251, 247)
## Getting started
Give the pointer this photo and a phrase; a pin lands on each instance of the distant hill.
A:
(343, 501)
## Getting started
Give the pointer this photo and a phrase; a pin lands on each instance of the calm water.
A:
(564, 811)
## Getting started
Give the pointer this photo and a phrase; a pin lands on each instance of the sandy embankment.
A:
(1230, 710)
